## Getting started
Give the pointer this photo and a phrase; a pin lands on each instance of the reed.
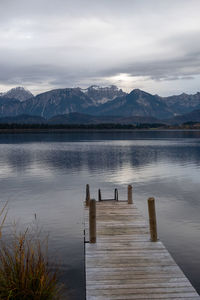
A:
(3, 214)
(25, 271)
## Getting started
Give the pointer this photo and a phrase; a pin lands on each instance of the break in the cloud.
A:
(153, 45)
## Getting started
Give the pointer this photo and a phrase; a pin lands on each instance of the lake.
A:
(45, 174)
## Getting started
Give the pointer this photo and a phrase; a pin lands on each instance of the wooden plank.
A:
(140, 281)
(174, 296)
(125, 264)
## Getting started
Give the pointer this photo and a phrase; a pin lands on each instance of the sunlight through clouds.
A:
(153, 45)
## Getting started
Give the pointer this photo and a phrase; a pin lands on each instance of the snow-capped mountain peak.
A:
(101, 95)
(19, 93)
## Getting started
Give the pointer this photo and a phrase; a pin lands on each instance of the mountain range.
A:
(100, 104)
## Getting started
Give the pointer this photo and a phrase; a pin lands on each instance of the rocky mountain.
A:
(193, 116)
(55, 102)
(9, 106)
(64, 101)
(181, 104)
(137, 103)
(97, 101)
(101, 95)
(19, 93)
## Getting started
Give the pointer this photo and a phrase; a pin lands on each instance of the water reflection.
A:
(46, 174)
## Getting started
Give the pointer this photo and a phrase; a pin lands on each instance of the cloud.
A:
(51, 44)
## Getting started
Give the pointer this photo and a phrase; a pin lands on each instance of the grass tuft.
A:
(25, 272)
(3, 215)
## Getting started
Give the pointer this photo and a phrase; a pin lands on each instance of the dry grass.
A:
(25, 273)
(3, 214)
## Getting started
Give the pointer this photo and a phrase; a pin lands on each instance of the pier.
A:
(124, 258)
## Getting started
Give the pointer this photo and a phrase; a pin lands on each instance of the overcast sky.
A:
(153, 45)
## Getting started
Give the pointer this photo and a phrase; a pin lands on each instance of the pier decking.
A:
(124, 263)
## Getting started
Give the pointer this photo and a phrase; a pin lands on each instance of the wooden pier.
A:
(124, 259)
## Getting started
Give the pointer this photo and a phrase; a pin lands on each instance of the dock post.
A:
(116, 194)
(92, 221)
(130, 194)
(87, 198)
(152, 219)
(99, 195)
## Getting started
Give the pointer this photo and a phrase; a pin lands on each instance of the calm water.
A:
(45, 174)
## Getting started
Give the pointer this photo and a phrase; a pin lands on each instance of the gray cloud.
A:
(49, 44)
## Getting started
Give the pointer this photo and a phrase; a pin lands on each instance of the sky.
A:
(153, 45)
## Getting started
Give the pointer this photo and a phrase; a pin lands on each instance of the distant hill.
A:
(82, 119)
(23, 119)
(77, 118)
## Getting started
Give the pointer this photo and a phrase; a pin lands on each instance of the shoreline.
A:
(65, 130)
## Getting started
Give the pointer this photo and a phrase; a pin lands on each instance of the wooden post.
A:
(92, 221)
(130, 194)
(99, 195)
(116, 194)
(152, 219)
(87, 198)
